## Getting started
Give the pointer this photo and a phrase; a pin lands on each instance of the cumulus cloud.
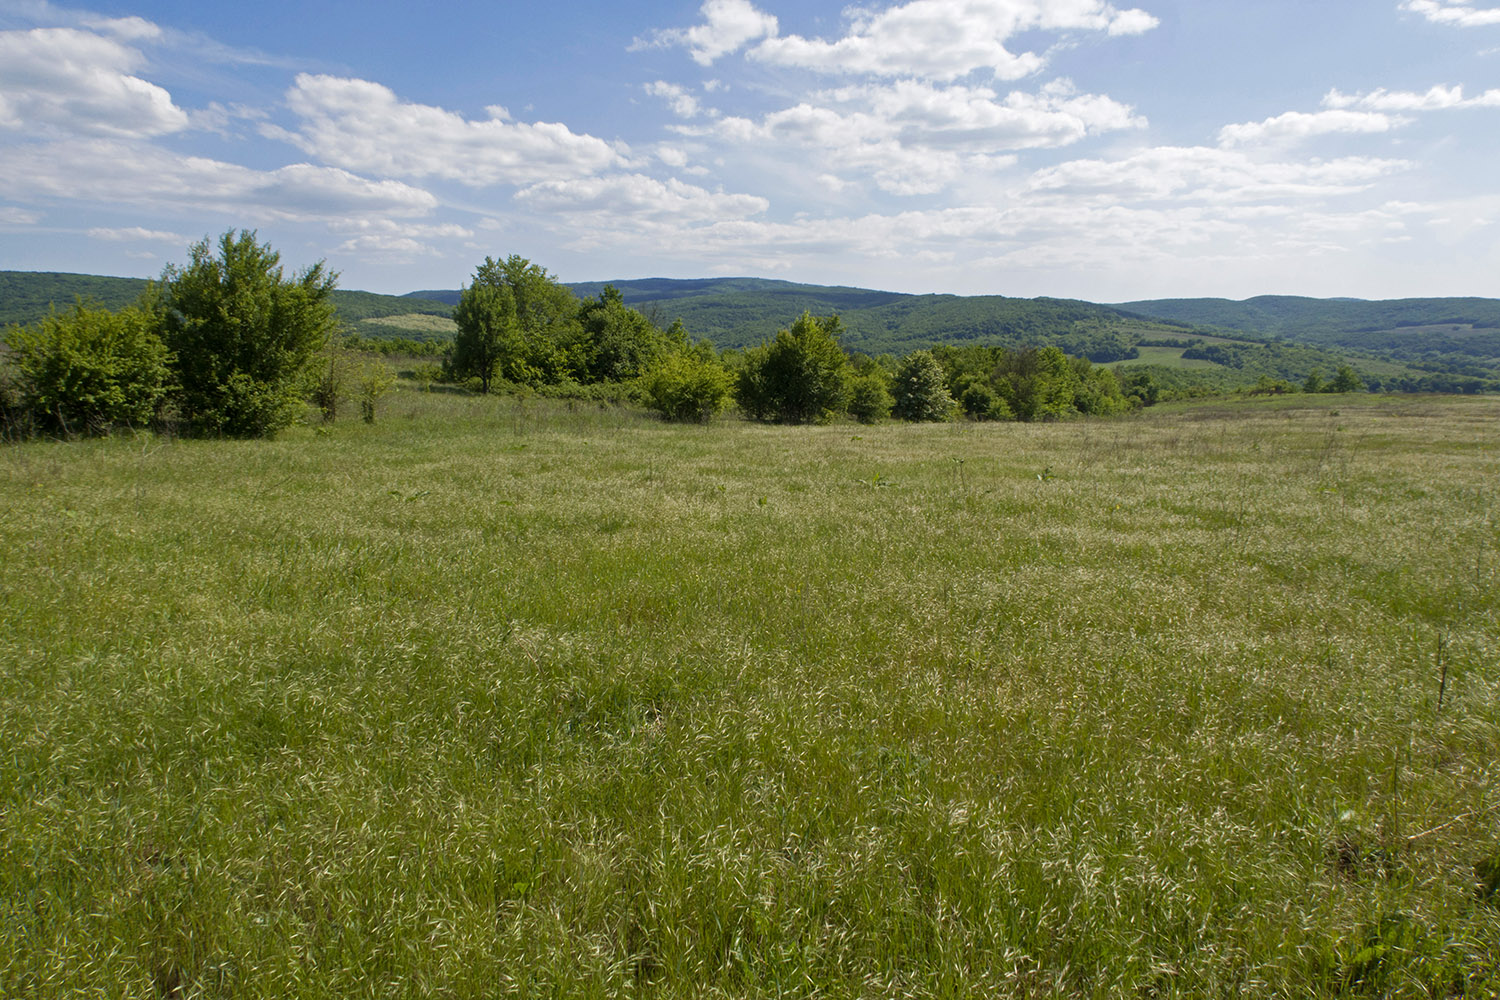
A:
(373, 227)
(363, 126)
(383, 243)
(1198, 173)
(683, 104)
(947, 39)
(638, 197)
(728, 25)
(1438, 98)
(70, 81)
(913, 137)
(1464, 15)
(135, 234)
(862, 143)
(132, 29)
(132, 173)
(978, 118)
(1297, 125)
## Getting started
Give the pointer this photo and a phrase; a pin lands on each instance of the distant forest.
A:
(1435, 344)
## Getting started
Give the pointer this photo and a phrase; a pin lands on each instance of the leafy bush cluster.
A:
(89, 369)
(221, 346)
(1034, 383)
(228, 345)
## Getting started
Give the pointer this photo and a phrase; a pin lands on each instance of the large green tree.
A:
(617, 342)
(243, 334)
(920, 389)
(800, 377)
(488, 342)
(546, 317)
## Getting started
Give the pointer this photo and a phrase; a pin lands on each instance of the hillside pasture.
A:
(501, 697)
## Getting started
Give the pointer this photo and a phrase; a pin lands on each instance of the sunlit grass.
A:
(516, 697)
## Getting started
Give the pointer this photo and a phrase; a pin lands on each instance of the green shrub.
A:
(688, 386)
(243, 335)
(869, 400)
(800, 377)
(979, 401)
(920, 390)
(89, 370)
(372, 382)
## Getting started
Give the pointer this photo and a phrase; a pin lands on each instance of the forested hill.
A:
(742, 312)
(1457, 335)
(26, 296)
(1406, 328)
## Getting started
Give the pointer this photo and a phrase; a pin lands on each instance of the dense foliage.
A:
(89, 369)
(242, 334)
(1402, 345)
(919, 391)
(800, 377)
(1030, 383)
(689, 385)
(489, 341)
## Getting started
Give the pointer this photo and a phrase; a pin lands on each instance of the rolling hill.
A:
(1401, 328)
(26, 296)
(1449, 344)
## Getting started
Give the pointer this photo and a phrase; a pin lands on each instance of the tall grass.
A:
(502, 697)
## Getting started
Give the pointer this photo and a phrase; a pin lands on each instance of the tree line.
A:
(519, 327)
(229, 344)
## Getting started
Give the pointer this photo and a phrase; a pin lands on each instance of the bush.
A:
(800, 377)
(920, 389)
(243, 335)
(89, 370)
(869, 400)
(979, 401)
(374, 381)
(688, 386)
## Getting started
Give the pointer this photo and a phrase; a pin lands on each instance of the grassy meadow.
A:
(503, 697)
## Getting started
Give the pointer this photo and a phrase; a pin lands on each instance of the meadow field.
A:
(506, 697)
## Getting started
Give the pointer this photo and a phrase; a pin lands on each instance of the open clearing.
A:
(501, 697)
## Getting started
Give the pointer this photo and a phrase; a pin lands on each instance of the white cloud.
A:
(1187, 174)
(683, 104)
(380, 243)
(639, 198)
(363, 126)
(132, 173)
(132, 29)
(672, 156)
(915, 138)
(12, 216)
(1464, 15)
(1438, 98)
(402, 228)
(947, 39)
(977, 118)
(727, 26)
(135, 234)
(1297, 125)
(68, 81)
(861, 143)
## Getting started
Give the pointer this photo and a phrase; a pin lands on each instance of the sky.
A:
(1073, 148)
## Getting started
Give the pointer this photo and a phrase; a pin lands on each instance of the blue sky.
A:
(1076, 148)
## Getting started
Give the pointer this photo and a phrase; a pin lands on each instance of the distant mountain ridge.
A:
(27, 296)
(1280, 336)
(1400, 327)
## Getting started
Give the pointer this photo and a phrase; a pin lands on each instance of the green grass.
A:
(419, 326)
(502, 697)
(1170, 357)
